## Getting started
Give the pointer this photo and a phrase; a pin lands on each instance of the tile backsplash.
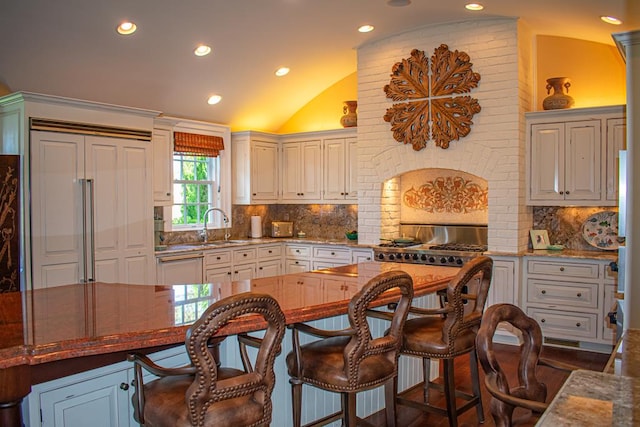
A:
(564, 224)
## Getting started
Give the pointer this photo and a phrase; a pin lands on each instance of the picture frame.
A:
(539, 239)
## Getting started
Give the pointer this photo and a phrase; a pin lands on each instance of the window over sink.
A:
(196, 188)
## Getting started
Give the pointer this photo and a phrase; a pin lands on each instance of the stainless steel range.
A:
(449, 245)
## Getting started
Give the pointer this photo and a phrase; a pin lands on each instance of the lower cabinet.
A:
(179, 269)
(297, 258)
(570, 299)
(99, 397)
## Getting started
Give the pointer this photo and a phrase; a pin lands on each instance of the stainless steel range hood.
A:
(436, 234)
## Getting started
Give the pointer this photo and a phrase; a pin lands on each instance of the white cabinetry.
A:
(269, 260)
(301, 170)
(255, 168)
(340, 170)
(330, 256)
(297, 258)
(178, 269)
(361, 255)
(566, 296)
(99, 397)
(571, 156)
(92, 209)
(505, 281)
(162, 142)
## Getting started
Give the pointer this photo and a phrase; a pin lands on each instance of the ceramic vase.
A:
(559, 99)
(350, 118)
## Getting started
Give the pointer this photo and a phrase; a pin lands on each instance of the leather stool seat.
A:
(423, 336)
(323, 365)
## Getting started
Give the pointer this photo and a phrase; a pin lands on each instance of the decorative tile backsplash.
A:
(564, 224)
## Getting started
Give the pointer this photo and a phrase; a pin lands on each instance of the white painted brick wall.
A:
(500, 51)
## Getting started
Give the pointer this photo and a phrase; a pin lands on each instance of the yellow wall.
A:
(596, 70)
(324, 111)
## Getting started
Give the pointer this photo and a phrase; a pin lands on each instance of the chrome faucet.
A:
(225, 219)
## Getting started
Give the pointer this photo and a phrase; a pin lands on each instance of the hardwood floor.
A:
(508, 357)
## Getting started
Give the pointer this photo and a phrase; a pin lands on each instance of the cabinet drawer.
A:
(295, 251)
(564, 269)
(217, 258)
(333, 254)
(272, 251)
(243, 255)
(562, 294)
(565, 324)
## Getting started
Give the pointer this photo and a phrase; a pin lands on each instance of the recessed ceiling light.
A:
(611, 20)
(126, 28)
(366, 28)
(202, 50)
(282, 71)
(398, 3)
(214, 99)
(474, 6)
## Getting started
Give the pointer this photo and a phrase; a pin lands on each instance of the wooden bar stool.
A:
(351, 360)
(204, 393)
(448, 332)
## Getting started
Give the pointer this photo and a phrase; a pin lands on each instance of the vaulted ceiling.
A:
(70, 47)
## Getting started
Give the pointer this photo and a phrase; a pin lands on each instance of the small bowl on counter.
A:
(351, 235)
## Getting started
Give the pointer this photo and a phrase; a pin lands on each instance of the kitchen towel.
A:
(256, 227)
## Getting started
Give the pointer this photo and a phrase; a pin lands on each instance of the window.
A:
(191, 302)
(196, 188)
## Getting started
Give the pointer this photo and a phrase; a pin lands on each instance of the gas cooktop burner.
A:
(447, 254)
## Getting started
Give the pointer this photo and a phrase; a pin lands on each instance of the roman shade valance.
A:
(195, 144)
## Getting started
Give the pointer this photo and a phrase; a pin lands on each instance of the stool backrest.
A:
(466, 297)
(204, 391)
(362, 344)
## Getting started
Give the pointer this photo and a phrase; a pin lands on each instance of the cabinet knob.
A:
(259, 268)
(562, 192)
(168, 194)
(244, 254)
(579, 294)
(543, 292)
(333, 253)
(124, 386)
(561, 268)
(253, 194)
(578, 325)
(218, 258)
(270, 252)
(566, 192)
(228, 273)
(542, 320)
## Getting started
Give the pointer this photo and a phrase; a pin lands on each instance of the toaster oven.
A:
(281, 229)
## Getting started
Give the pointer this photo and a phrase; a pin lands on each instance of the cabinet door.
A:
(351, 179)
(101, 401)
(218, 275)
(616, 141)
(503, 283)
(546, 169)
(334, 169)
(162, 167)
(57, 170)
(296, 266)
(582, 160)
(291, 171)
(264, 171)
(269, 268)
(244, 271)
(311, 172)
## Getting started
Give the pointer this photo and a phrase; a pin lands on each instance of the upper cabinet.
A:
(572, 156)
(340, 177)
(162, 149)
(309, 167)
(255, 168)
(301, 170)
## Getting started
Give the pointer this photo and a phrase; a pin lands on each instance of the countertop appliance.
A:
(281, 229)
(448, 245)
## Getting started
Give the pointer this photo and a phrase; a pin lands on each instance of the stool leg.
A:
(475, 383)
(426, 376)
(450, 392)
(390, 392)
(296, 395)
(349, 418)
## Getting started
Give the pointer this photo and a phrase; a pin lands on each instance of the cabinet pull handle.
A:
(542, 320)
(259, 268)
(228, 273)
(333, 253)
(168, 194)
(566, 192)
(579, 295)
(244, 254)
(578, 325)
(124, 386)
(270, 252)
(561, 268)
(543, 292)
(218, 258)
(562, 192)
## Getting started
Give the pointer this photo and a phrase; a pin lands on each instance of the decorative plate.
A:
(601, 230)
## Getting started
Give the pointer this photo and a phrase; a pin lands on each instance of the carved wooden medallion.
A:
(429, 86)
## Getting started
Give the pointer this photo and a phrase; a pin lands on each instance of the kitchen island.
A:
(58, 331)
